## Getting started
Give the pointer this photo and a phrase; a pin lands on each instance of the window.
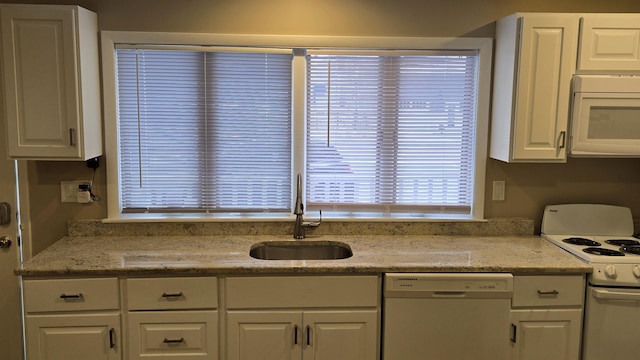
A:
(221, 125)
(391, 131)
(204, 131)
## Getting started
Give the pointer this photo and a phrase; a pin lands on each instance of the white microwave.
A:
(605, 119)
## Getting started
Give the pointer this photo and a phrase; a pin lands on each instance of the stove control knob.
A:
(636, 271)
(610, 271)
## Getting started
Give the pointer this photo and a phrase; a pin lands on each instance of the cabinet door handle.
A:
(71, 296)
(514, 330)
(112, 338)
(172, 295)
(72, 137)
(295, 334)
(5, 213)
(173, 341)
(563, 139)
(308, 335)
(548, 293)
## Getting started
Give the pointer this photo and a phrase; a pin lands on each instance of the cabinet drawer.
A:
(533, 291)
(71, 294)
(172, 293)
(173, 335)
(302, 291)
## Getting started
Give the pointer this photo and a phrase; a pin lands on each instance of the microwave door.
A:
(605, 125)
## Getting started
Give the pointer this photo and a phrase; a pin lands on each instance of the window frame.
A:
(299, 44)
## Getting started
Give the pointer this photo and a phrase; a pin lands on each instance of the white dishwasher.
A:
(452, 316)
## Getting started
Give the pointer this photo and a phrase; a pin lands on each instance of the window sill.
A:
(311, 215)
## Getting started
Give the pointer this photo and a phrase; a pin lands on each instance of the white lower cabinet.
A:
(340, 335)
(303, 317)
(546, 317)
(319, 335)
(265, 335)
(552, 334)
(173, 335)
(75, 319)
(318, 317)
(172, 318)
(73, 336)
(295, 317)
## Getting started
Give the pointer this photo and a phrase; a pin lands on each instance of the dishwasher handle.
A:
(449, 294)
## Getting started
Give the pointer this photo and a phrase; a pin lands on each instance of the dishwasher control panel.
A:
(451, 285)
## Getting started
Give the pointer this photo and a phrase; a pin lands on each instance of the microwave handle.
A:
(562, 140)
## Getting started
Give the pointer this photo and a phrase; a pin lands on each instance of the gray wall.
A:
(528, 186)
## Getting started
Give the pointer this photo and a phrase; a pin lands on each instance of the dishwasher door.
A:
(447, 316)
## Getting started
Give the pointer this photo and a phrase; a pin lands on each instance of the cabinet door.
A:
(547, 58)
(71, 336)
(609, 43)
(340, 335)
(40, 70)
(51, 82)
(264, 335)
(550, 334)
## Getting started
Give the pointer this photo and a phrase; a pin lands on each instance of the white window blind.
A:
(204, 131)
(391, 132)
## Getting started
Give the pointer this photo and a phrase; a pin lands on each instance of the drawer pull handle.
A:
(172, 295)
(548, 293)
(71, 296)
(173, 341)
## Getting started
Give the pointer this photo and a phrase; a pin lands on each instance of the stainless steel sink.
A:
(300, 250)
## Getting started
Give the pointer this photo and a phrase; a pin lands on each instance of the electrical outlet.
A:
(498, 190)
(70, 191)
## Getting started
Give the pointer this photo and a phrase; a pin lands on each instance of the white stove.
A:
(602, 235)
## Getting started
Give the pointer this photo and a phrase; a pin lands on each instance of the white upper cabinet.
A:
(535, 60)
(51, 82)
(609, 43)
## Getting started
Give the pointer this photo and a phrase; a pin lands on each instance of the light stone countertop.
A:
(220, 254)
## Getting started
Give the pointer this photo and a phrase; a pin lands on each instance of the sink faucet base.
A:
(300, 224)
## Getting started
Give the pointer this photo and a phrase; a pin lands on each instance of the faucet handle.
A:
(314, 224)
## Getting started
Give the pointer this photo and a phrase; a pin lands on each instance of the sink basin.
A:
(300, 250)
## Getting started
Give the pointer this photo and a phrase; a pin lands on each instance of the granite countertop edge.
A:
(229, 255)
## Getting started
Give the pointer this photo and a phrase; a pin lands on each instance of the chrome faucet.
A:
(298, 210)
